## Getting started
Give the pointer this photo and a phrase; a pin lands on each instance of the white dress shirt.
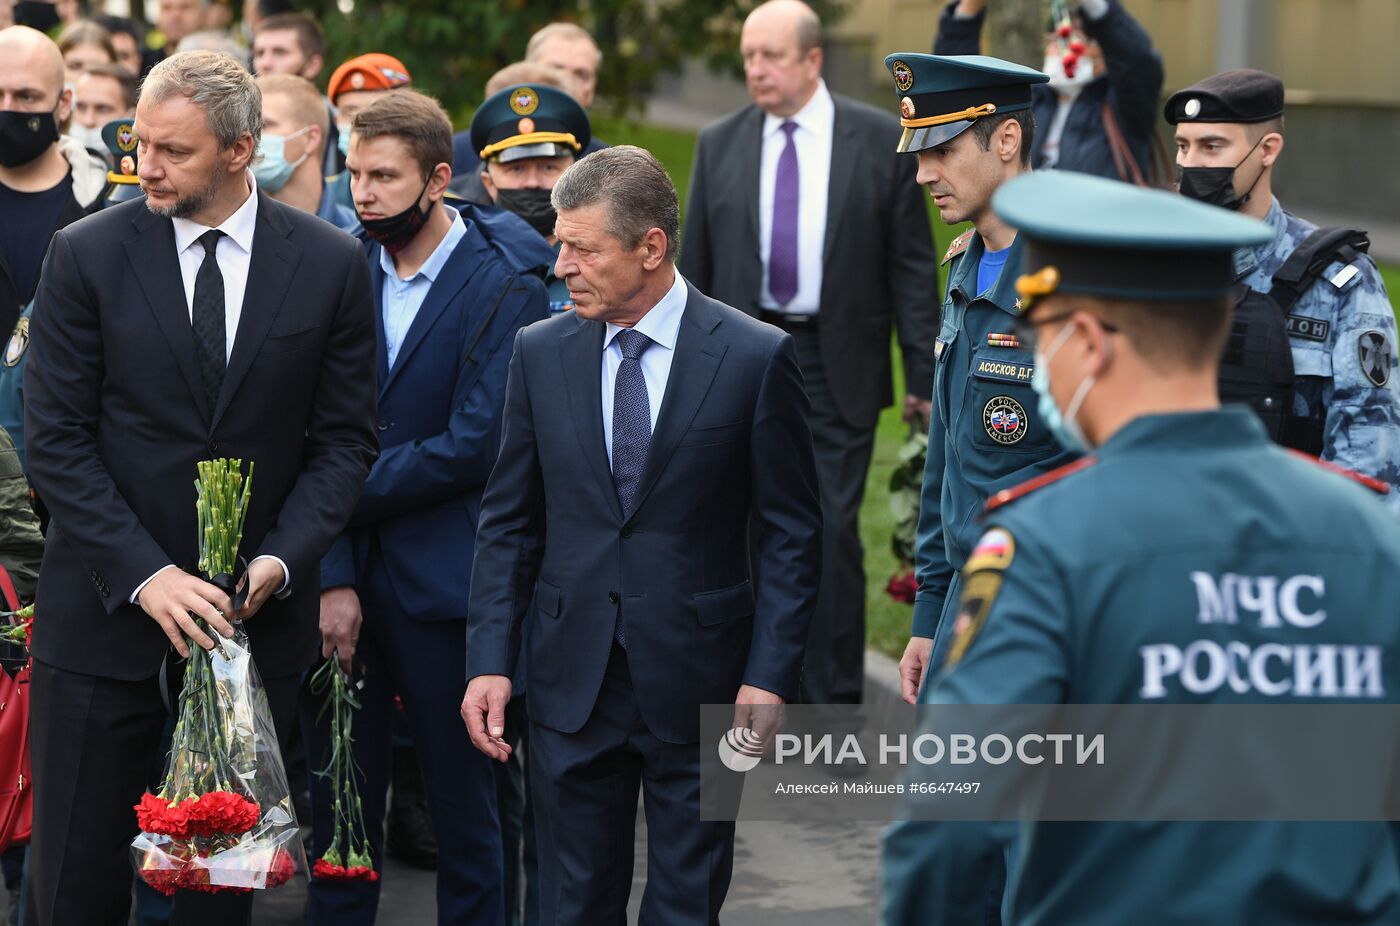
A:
(234, 252)
(662, 324)
(815, 129)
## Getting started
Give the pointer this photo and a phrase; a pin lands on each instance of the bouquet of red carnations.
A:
(222, 819)
(348, 858)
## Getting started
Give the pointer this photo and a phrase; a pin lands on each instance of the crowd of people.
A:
(547, 465)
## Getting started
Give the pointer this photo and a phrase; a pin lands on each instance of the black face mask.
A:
(398, 231)
(531, 205)
(1215, 185)
(25, 136)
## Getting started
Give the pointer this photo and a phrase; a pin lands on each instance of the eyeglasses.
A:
(1025, 328)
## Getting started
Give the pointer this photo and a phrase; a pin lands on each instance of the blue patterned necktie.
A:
(631, 418)
(782, 242)
(631, 430)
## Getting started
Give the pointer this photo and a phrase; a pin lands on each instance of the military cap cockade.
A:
(1241, 95)
(940, 96)
(1099, 237)
(529, 121)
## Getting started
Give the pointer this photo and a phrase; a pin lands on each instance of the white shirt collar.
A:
(662, 323)
(816, 117)
(239, 226)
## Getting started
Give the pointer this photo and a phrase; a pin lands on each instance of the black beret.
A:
(1241, 95)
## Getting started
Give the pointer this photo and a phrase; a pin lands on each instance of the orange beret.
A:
(374, 71)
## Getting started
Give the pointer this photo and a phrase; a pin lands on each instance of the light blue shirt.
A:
(662, 324)
(401, 299)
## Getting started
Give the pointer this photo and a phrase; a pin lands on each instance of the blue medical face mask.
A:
(1065, 428)
(342, 141)
(273, 170)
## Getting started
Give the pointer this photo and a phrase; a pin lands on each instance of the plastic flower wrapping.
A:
(222, 819)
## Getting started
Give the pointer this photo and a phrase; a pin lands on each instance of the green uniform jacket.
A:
(21, 543)
(985, 434)
(1093, 583)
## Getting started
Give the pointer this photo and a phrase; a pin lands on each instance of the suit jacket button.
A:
(213, 446)
(382, 424)
(626, 532)
(612, 597)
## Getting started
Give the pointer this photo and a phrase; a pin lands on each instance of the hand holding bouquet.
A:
(222, 819)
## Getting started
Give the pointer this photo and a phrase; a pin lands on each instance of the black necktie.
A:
(207, 316)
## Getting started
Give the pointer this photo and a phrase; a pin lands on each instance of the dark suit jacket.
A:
(439, 429)
(731, 447)
(117, 417)
(878, 260)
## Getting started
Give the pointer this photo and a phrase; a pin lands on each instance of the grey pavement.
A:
(785, 874)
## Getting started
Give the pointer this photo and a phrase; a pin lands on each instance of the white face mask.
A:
(90, 138)
(1083, 73)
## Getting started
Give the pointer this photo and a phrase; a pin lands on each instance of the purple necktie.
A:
(782, 252)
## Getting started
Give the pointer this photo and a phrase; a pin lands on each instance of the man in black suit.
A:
(644, 434)
(205, 321)
(800, 214)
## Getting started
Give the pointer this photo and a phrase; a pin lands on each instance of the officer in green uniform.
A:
(527, 136)
(1097, 584)
(969, 120)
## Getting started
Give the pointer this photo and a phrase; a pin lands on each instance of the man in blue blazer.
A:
(653, 516)
(394, 587)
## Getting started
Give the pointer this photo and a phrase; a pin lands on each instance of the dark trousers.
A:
(833, 670)
(425, 664)
(91, 740)
(584, 786)
(517, 813)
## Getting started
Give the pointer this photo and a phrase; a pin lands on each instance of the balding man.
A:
(799, 213)
(564, 48)
(569, 48)
(47, 180)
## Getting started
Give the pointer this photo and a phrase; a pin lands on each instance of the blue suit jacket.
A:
(709, 605)
(439, 428)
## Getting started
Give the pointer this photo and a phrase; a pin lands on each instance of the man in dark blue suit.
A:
(394, 592)
(653, 518)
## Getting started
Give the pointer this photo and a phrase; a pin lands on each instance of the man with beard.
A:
(205, 321)
(527, 136)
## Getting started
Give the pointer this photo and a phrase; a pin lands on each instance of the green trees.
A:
(451, 47)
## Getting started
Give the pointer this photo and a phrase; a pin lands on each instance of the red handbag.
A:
(16, 785)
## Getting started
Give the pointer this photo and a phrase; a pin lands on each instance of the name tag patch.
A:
(1309, 329)
(1004, 371)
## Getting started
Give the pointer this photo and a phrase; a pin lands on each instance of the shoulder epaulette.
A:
(959, 245)
(1007, 496)
(1370, 482)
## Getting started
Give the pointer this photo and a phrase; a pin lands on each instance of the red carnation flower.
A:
(326, 871)
(164, 880)
(361, 873)
(903, 587)
(221, 812)
(156, 815)
(282, 869)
